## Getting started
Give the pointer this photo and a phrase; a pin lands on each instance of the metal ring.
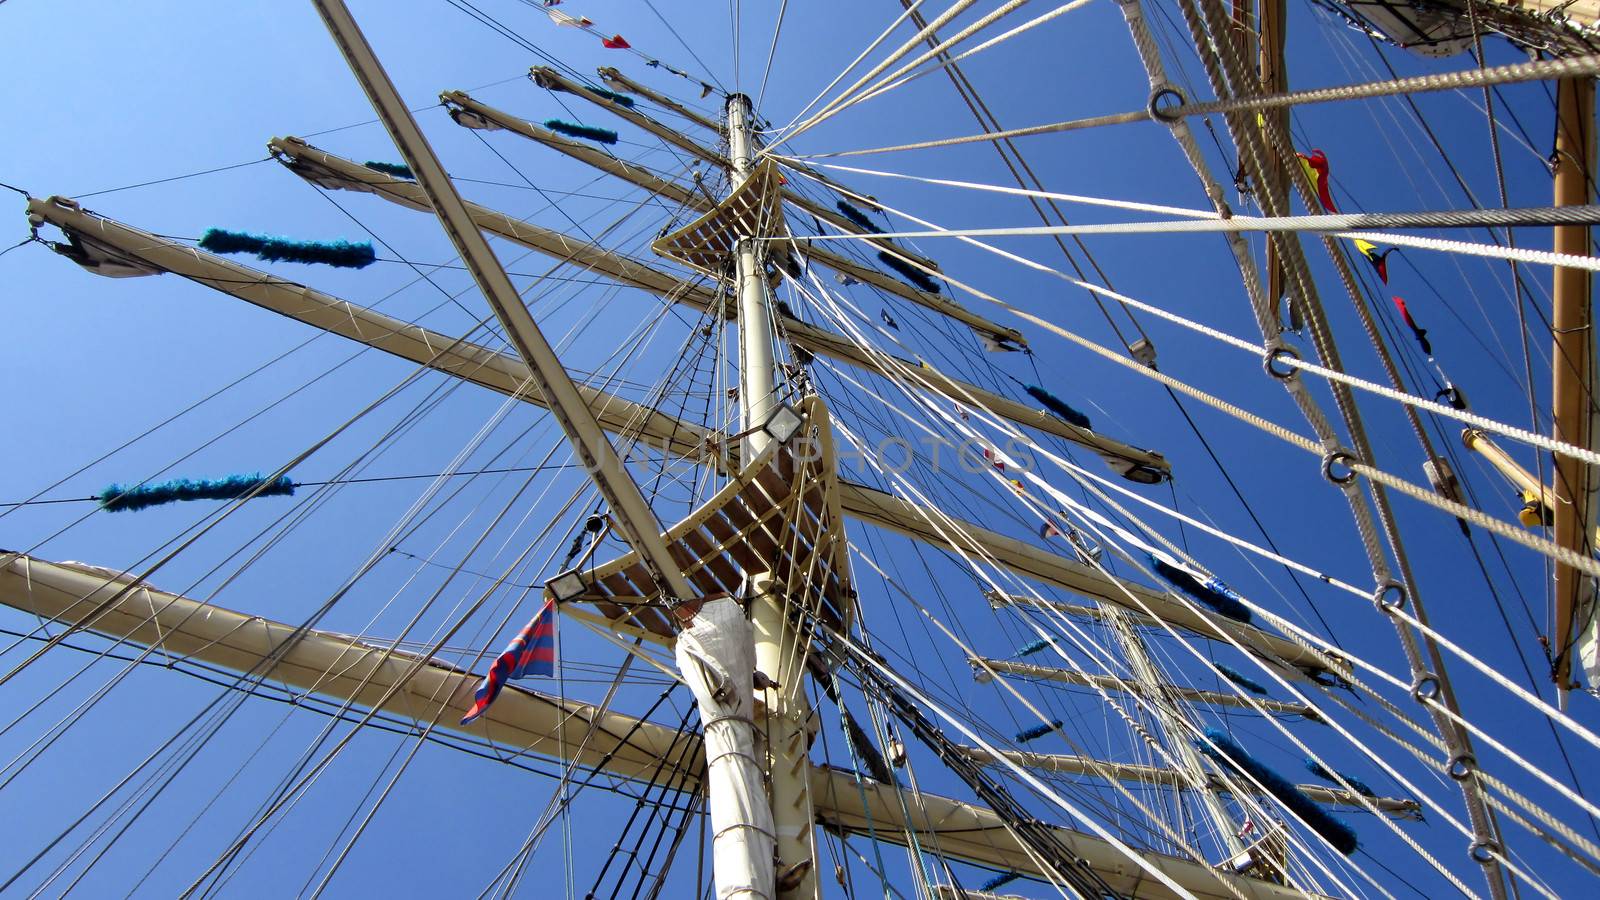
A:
(1165, 114)
(1275, 352)
(1390, 597)
(1425, 688)
(1461, 766)
(1483, 852)
(1336, 457)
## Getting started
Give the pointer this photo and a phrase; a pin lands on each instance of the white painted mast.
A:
(778, 653)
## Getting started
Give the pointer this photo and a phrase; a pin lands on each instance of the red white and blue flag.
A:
(531, 652)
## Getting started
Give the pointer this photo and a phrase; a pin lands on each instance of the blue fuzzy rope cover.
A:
(341, 253)
(119, 498)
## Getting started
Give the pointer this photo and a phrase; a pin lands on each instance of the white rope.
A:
(1468, 248)
(1578, 66)
(1107, 666)
(1406, 686)
(1016, 191)
(1136, 603)
(938, 413)
(1522, 693)
(1338, 224)
(1458, 827)
(910, 8)
(955, 9)
(899, 77)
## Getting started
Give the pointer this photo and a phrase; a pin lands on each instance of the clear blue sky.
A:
(105, 97)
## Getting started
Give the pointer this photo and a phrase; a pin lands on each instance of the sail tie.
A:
(1241, 679)
(1037, 731)
(589, 132)
(398, 170)
(340, 253)
(1222, 748)
(1333, 777)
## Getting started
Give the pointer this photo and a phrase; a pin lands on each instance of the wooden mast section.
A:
(1275, 80)
(1572, 371)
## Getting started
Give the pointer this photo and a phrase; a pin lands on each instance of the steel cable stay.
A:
(1283, 358)
(900, 75)
(955, 9)
(1412, 788)
(957, 546)
(873, 45)
(897, 79)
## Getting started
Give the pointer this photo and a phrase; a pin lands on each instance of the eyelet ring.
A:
(1168, 114)
(1483, 852)
(1389, 597)
(1338, 458)
(1426, 688)
(1276, 352)
(1461, 766)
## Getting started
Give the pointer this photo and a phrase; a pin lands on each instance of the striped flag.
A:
(531, 652)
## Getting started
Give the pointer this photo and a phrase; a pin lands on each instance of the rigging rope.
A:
(1570, 67)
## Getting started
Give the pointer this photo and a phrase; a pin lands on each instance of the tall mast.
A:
(739, 818)
(1173, 725)
(1275, 80)
(778, 652)
(1572, 365)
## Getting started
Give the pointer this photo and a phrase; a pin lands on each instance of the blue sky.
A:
(106, 97)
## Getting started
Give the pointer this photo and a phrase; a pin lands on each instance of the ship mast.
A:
(735, 802)
(778, 652)
(1174, 726)
(1572, 365)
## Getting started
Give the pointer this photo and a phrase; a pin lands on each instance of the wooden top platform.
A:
(779, 514)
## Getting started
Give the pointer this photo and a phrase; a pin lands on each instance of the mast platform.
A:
(780, 515)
